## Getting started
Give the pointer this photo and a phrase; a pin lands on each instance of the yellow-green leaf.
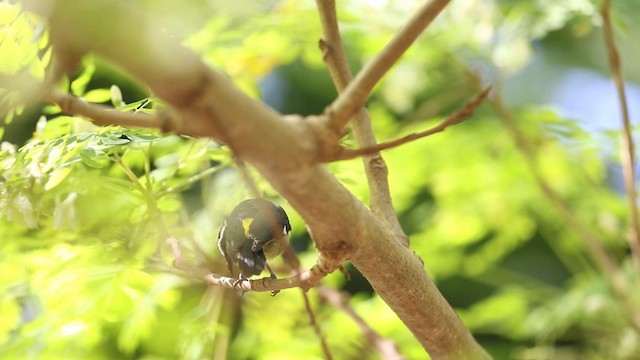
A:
(57, 176)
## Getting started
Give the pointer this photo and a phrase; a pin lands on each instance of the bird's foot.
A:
(237, 283)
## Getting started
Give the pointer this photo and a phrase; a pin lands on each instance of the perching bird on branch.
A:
(250, 236)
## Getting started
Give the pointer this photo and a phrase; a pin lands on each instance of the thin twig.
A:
(604, 260)
(387, 349)
(147, 193)
(305, 280)
(180, 263)
(375, 167)
(134, 179)
(246, 176)
(31, 89)
(104, 115)
(592, 241)
(190, 181)
(456, 118)
(627, 152)
(331, 45)
(355, 94)
(316, 327)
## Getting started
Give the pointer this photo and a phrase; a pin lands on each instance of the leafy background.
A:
(85, 210)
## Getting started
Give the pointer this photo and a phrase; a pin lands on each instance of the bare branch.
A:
(190, 181)
(592, 241)
(33, 90)
(627, 152)
(104, 115)
(331, 45)
(355, 94)
(316, 327)
(458, 117)
(181, 264)
(375, 167)
(385, 347)
(305, 280)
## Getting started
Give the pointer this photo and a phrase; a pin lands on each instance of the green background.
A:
(84, 211)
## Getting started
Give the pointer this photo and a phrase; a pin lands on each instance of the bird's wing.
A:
(230, 240)
(251, 263)
(261, 232)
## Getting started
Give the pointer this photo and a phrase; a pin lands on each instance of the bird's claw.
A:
(272, 277)
(237, 283)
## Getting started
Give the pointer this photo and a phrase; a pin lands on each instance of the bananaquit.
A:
(249, 236)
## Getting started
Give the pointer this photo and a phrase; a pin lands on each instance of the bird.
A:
(250, 235)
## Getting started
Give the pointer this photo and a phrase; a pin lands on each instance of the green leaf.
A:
(51, 109)
(116, 97)
(143, 137)
(64, 84)
(10, 312)
(10, 64)
(135, 105)
(169, 203)
(54, 156)
(56, 177)
(9, 118)
(79, 85)
(112, 139)
(93, 158)
(164, 173)
(97, 96)
(8, 13)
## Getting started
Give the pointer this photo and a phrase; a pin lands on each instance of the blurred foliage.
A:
(85, 210)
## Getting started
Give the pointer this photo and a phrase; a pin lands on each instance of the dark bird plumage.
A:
(249, 236)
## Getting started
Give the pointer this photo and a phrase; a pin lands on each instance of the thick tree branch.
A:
(375, 167)
(627, 152)
(357, 91)
(209, 105)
